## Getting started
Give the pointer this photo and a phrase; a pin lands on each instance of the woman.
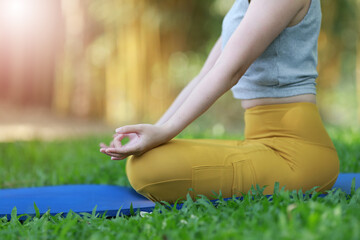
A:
(267, 56)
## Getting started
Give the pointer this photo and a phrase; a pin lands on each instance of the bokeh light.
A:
(18, 13)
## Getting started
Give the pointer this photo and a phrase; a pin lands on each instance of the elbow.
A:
(228, 73)
(237, 73)
(234, 79)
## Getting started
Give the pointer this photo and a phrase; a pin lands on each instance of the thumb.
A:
(129, 129)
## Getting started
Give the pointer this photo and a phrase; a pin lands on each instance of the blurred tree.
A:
(126, 60)
(358, 59)
(121, 69)
(337, 57)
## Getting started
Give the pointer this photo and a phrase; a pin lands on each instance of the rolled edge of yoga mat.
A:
(77, 198)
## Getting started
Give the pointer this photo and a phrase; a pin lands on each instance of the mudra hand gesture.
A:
(142, 137)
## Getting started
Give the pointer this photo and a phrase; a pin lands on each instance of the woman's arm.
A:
(262, 23)
(209, 63)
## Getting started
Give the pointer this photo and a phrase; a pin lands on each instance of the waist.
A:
(250, 103)
(299, 120)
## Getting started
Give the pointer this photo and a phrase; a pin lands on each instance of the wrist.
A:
(169, 130)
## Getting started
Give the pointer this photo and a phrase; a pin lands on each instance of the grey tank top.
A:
(288, 66)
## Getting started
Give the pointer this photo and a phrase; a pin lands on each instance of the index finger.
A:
(103, 145)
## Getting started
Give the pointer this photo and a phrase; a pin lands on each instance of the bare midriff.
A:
(249, 103)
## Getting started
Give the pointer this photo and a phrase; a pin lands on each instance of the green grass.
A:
(24, 164)
(287, 216)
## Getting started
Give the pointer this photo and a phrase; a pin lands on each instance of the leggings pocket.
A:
(210, 180)
(244, 177)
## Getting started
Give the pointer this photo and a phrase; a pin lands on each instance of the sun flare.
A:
(17, 12)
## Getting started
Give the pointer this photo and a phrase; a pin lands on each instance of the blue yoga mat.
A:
(106, 198)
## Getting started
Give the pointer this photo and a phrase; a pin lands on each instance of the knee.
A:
(156, 179)
(145, 169)
(161, 173)
(136, 173)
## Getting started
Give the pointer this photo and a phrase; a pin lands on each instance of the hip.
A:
(297, 121)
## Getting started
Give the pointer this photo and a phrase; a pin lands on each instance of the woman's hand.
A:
(116, 142)
(111, 145)
(142, 137)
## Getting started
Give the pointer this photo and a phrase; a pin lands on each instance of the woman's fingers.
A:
(117, 140)
(115, 135)
(116, 155)
(103, 145)
(116, 144)
(118, 158)
(128, 150)
(132, 136)
(117, 151)
(129, 129)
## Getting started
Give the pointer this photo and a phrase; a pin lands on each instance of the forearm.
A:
(178, 101)
(209, 89)
(209, 63)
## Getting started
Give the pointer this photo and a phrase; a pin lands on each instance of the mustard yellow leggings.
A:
(285, 143)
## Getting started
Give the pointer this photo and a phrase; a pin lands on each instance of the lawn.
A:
(288, 215)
